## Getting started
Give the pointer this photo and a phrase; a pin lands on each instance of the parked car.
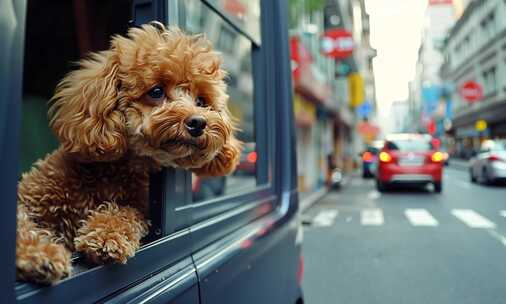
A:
(409, 159)
(489, 165)
(241, 246)
(370, 159)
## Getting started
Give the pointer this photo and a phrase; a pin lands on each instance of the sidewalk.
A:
(306, 200)
(460, 164)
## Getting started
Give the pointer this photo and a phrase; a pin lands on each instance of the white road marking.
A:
(496, 235)
(373, 195)
(372, 217)
(502, 213)
(420, 217)
(472, 218)
(463, 184)
(325, 218)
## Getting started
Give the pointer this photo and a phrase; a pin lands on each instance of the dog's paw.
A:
(44, 263)
(103, 247)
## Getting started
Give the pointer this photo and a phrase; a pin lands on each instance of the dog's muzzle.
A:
(195, 125)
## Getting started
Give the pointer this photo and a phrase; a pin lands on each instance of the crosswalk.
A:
(417, 217)
(420, 217)
(372, 217)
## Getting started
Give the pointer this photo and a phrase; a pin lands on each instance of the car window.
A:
(50, 54)
(236, 51)
(409, 145)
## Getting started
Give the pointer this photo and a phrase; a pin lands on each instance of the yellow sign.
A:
(481, 125)
(305, 111)
(356, 89)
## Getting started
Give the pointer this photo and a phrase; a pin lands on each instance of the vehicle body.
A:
(370, 159)
(409, 159)
(207, 188)
(238, 247)
(489, 165)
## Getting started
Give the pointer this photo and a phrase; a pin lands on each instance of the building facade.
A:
(476, 51)
(427, 92)
(328, 91)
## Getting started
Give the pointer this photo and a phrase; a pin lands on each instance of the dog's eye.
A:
(200, 102)
(156, 93)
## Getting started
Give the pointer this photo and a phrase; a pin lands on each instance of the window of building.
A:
(490, 81)
(489, 27)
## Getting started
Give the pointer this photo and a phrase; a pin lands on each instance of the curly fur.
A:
(91, 194)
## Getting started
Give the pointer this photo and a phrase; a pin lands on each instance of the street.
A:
(407, 246)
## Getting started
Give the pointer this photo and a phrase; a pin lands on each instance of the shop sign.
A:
(368, 131)
(365, 109)
(305, 111)
(356, 89)
(431, 126)
(337, 43)
(471, 91)
(300, 57)
(481, 125)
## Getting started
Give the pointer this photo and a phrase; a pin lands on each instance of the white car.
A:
(489, 165)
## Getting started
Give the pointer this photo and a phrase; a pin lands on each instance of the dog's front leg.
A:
(111, 233)
(39, 257)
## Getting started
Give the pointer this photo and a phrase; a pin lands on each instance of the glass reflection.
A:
(236, 51)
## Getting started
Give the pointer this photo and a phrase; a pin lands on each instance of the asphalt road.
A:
(407, 246)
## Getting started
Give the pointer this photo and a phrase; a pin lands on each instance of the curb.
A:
(314, 197)
(311, 199)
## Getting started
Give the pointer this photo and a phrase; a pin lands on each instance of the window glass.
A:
(244, 13)
(409, 145)
(237, 56)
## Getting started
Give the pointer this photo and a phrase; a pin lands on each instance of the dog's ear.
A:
(224, 162)
(84, 112)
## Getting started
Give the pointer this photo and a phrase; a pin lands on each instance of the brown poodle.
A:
(156, 98)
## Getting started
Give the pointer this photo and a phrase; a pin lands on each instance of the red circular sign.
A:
(471, 91)
(337, 43)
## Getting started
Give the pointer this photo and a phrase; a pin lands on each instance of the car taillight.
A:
(495, 158)
(437, 157)
(384, 157)
(367, 156)
(252, 157)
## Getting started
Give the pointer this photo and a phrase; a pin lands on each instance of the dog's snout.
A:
(195, 125)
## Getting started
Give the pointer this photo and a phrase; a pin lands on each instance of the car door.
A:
(481, 162)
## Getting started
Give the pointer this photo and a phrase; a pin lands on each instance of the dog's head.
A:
(158, 93)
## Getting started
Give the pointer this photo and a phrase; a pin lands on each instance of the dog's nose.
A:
(195, 125)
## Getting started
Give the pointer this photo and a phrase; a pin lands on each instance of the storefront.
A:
(469, 134)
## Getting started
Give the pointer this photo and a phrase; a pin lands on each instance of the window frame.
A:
(207, 209)
(11, 76)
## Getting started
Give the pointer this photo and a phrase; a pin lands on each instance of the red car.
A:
(409, 159)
